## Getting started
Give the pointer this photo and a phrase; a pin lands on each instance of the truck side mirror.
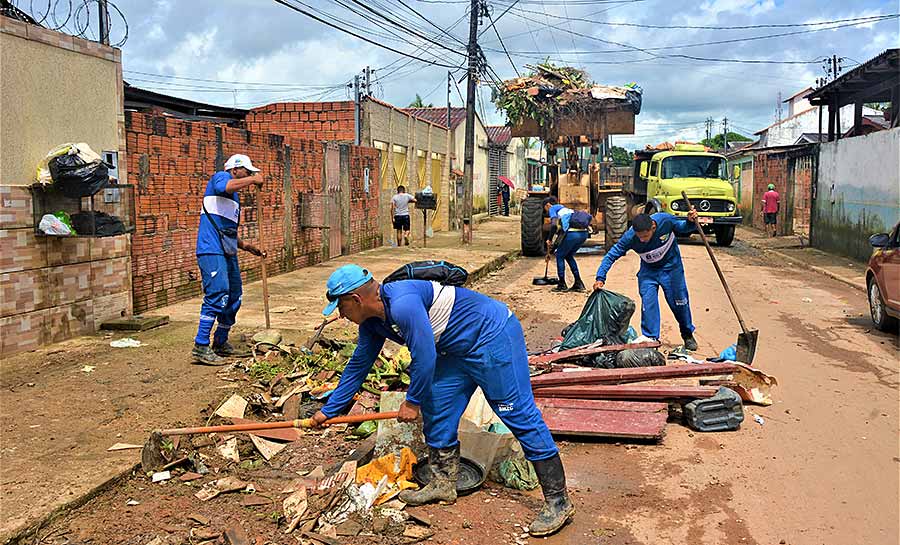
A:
(736, 173)
(880, 240)
(644, 169)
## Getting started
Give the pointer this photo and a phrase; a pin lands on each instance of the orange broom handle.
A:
(299, 423)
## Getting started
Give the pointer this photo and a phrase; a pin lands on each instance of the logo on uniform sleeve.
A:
(664, 237)
(504, 407)
(395, 328)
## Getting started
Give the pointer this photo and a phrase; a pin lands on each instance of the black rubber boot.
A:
(557, 509)
(690, 343)
(561, 286)
(444, 464)
(227, 350)
(578, 285)
(204, 355)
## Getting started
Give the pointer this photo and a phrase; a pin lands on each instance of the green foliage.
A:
(518, 105)
(265, 370)
(717, 142)
(418, 103)
(621, 156)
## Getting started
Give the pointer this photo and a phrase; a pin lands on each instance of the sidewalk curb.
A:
(814, 268)
(23, 534)
(31, 529)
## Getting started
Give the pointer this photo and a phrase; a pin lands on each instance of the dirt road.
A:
(822, 469)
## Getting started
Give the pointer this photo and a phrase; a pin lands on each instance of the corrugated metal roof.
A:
(499, 134)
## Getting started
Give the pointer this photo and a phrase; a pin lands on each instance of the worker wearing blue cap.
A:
(459, 340)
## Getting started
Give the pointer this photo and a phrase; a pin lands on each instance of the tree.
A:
(621, 156)
(717, 142)
(418, 103)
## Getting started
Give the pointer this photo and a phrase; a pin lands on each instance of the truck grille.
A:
(702, 205)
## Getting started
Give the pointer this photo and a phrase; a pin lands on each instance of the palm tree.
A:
(418, 103)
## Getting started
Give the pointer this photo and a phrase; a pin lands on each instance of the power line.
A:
(405, 28)
(288, 5)
(497, 32)
(427, 20)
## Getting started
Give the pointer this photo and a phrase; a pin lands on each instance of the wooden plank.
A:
(599, 423)
(634, 374)
(644, 393)
(604, 405)
(586, 350)
(285, 434)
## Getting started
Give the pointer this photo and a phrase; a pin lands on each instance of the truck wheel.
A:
(532, 223)
(724, 235)
(615, 220)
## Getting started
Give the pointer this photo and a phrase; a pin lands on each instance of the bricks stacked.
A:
(171, 160)
(326, 121)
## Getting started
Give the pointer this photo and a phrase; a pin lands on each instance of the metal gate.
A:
(498, 165)
(333, 198)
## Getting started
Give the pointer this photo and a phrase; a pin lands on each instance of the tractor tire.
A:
(532, 223)
(615, 220)
(724, 235)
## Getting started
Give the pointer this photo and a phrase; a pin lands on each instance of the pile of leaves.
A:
(537, 95)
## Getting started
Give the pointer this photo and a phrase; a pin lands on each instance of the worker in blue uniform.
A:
(570, 236)
(217, 246)
(459, 340)
(653, 239)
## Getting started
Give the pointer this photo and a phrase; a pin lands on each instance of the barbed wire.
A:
(73, 17)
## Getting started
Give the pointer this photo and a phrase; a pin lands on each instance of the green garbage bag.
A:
(604, 318)
(518, 473)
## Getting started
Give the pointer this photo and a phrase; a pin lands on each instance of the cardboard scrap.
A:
(233, 407)
(124, 446)
(298, 388)
(229, 450)
(220, 486)
(265, 447)
(295, 507)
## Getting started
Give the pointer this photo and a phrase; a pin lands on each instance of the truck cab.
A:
(661, 176)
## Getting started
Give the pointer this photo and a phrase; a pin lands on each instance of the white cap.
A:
(240, 160)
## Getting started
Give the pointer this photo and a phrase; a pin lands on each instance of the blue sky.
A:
(257, 51)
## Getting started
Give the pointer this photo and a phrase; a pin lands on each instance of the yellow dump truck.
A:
(661, 175)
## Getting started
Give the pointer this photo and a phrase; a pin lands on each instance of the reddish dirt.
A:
(821, 469)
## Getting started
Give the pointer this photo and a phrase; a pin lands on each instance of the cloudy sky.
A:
(252, 52)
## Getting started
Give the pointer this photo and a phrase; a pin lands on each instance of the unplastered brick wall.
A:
(325, 121)
(792, 173)
(171, 161)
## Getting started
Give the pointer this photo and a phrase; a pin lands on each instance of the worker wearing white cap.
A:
(217, 246)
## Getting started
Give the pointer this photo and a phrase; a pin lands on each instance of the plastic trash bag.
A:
(604, 318)
(639, 357)
(518, 473)
(729, 354)
(75, 170)
(52, 225)
(97, 223)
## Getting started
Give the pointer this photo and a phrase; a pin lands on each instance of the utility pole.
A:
(368, 81)
(449, 81)
(104, 21)
(468, 164)
(356, 111)
(725, 134)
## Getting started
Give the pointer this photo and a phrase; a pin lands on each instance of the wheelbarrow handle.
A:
(302, 423)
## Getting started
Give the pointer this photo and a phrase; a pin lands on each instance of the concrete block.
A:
(135, 323)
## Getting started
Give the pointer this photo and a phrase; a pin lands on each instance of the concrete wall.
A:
(480, 176)
(172, 160)
(389, 127)
(55, 89)
(789, 130)
(858, 192)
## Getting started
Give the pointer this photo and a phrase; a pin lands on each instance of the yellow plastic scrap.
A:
(399, 474)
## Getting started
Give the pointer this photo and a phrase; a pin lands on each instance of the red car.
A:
(883, 279)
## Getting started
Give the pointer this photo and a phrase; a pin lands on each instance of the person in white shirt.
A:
(400, 213)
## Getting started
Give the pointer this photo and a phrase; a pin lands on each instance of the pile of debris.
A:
(550, 92)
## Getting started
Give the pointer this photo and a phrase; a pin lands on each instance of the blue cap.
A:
(554, 210)
(343, 281)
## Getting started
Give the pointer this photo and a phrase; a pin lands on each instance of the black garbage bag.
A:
(604, 318)
(634, 98)
(639, 357)
(74, 177)
(98, 224)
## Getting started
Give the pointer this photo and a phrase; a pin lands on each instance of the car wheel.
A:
(880, 317)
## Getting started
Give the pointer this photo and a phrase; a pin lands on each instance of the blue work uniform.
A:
(220, 273)
(660, 267)
(459, 340)
(571, 241)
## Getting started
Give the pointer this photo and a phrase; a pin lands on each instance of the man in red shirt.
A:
(770, 201)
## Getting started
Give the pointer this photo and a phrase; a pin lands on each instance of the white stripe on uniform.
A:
(655, 255)
(441, 307)
(222, 206)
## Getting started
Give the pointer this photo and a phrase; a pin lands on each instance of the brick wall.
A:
(792, 173)
(324, 121)
(171, 161)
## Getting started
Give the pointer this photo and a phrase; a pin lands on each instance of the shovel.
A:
(543, 280)
(746, 342)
